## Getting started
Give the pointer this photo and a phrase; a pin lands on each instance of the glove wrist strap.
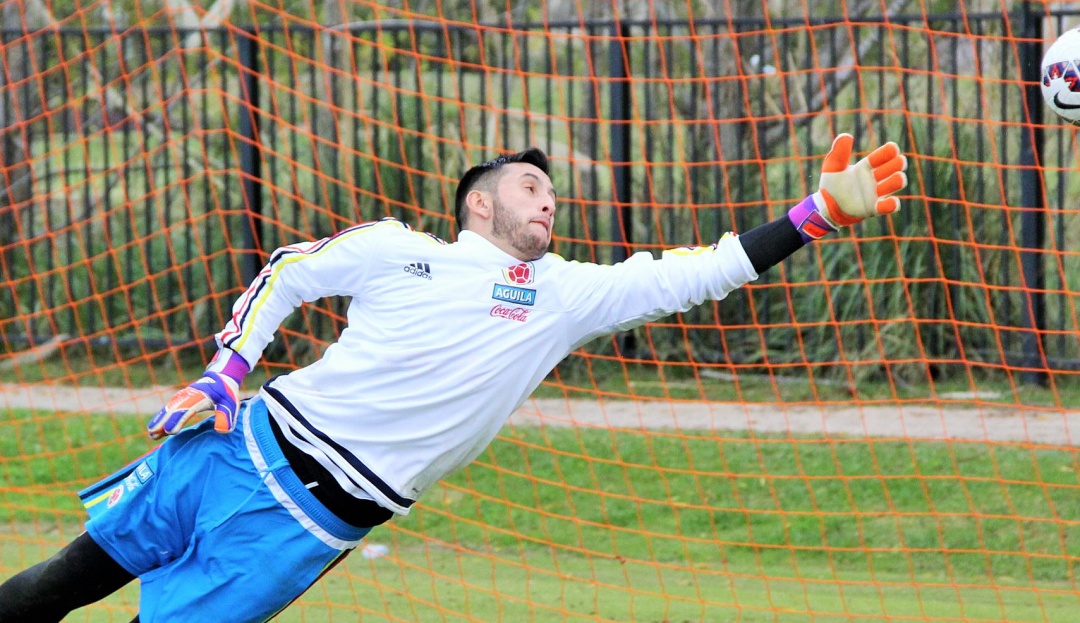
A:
(808, 220)
(229, 363)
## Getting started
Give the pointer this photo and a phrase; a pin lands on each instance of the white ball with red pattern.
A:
(1061, 76)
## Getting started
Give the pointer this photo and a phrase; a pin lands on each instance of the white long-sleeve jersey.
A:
(444, 341)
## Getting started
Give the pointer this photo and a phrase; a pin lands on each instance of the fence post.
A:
(619, 114)
(250, 154)
(1032, 200)
(619, 118)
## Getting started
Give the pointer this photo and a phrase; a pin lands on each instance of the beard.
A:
(517, 232)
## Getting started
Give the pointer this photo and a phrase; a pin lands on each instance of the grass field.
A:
(585, 525)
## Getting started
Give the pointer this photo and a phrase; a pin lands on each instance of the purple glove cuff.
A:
(229, 363)
(808, 221)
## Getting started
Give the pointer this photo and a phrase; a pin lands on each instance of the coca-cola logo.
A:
(510, 313)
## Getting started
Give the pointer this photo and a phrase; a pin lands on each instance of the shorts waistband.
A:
(258, 426)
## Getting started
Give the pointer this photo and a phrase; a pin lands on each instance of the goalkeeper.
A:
(235, 517)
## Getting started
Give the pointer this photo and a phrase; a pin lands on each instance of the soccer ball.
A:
(1061, 76)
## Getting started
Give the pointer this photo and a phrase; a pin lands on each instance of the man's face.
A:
(523, 211)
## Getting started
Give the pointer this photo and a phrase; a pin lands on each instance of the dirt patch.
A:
(956, 422)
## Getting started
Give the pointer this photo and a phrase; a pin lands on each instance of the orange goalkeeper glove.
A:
(848, 193)
(216, 393)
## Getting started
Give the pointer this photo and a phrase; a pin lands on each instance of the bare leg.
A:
(79, 574)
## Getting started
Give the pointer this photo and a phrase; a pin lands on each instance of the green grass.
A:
(579, 524)
(429, 582)
(45, 455)
(536, 586)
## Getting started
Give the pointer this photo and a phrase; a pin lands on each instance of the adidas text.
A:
(420, 269)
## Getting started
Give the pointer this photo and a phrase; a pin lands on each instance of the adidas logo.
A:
(419, 269)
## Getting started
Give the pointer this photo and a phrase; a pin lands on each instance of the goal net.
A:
(882, 428)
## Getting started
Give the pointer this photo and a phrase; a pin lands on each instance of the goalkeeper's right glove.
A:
(848, 194)
(216, 393)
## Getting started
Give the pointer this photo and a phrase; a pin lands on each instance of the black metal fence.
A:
(149, 172)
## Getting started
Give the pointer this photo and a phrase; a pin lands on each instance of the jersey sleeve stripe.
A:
(234, 335)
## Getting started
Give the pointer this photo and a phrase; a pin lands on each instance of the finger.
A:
(891, 185)
(177, 411)
(176, 420)
(883, 154)
(887, 168)
(888, 205)
(170, 422)
(189, 399)
(223, 421)
(839, 154)
(153, 427)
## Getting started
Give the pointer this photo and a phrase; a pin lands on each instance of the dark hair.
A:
(473, 176)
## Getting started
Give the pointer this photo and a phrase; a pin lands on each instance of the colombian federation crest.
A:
(519, 274)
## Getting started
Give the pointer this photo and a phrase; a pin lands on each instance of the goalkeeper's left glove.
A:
(216, 393)
(847, 193)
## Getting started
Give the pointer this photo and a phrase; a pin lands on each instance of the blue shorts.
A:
(216, 527)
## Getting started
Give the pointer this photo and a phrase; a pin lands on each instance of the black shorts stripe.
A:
(348, 457)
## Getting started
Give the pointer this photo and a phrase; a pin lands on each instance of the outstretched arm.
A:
(641, 289)
(295, 274)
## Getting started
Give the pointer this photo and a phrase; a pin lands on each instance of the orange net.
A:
(883, 428)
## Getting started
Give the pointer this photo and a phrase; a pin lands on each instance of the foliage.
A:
(373, 123)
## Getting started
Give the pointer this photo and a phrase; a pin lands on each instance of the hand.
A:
(847, 193)
(214, 393)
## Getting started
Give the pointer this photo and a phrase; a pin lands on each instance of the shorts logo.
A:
(519, 314)
(519, 274)
(143, 472)
(513, 294)
(419, 269)
(115, 496)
